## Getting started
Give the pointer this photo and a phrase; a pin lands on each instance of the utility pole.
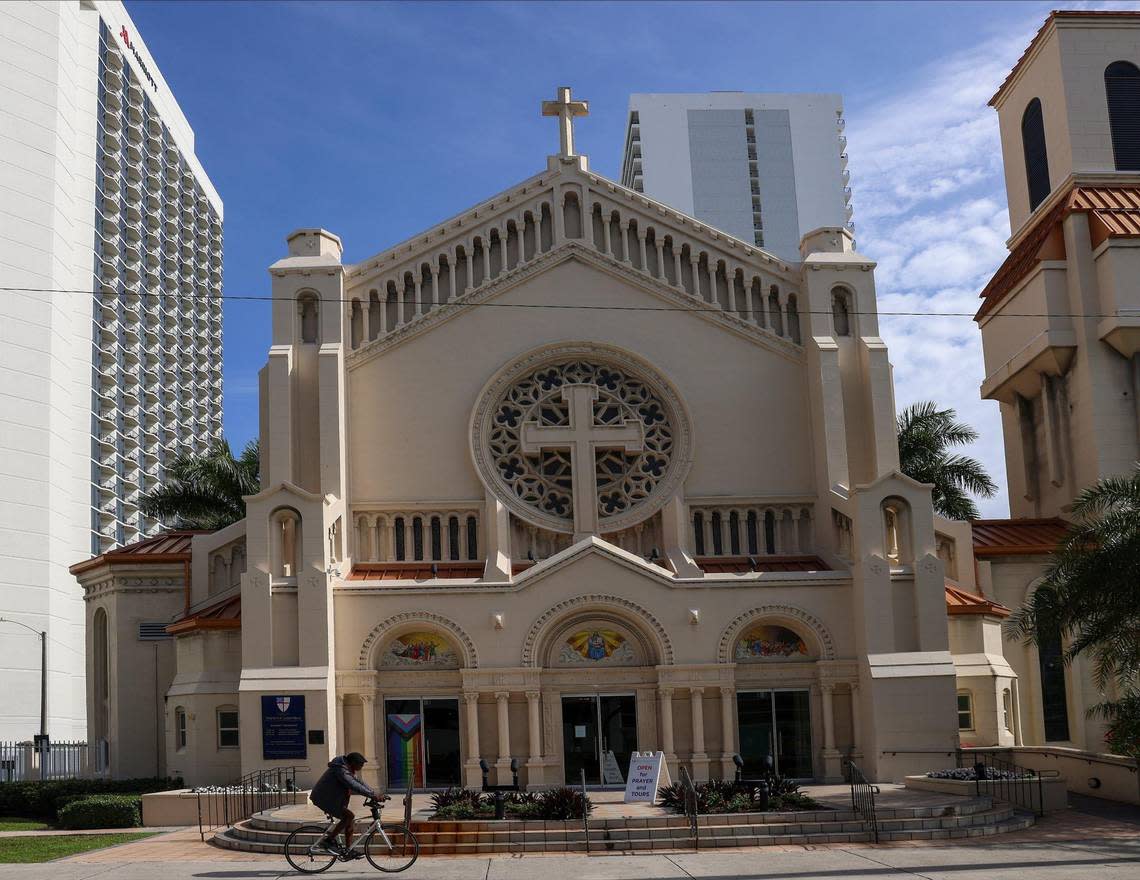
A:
(43, 673)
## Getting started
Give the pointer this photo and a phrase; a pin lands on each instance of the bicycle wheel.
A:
(400, 856)
(300, 853)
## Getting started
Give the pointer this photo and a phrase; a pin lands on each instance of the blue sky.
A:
(376, 120)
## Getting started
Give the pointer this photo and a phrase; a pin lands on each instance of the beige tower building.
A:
(1060, 323)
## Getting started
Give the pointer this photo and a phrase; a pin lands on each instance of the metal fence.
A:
(692, 807)
(862, 796)
(28, 761)
(220, 806)
(1005, 781)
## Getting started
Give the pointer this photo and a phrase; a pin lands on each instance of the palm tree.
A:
(1090, 596)
(925, 434)
(205, 491)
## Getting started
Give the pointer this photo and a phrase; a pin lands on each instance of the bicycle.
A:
(391, 847)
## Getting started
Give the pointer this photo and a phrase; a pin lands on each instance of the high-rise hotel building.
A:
(111, 331)
(766, 168)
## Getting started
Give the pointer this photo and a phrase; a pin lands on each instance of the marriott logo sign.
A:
(142, 65)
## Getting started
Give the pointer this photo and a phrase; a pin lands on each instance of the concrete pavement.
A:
(1092, 859)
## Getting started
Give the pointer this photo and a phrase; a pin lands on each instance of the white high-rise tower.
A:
(111, 260)
(766, 168)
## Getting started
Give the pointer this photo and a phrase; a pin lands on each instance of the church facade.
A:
(566, 476)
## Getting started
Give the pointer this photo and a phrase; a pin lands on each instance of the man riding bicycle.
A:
(331, 793)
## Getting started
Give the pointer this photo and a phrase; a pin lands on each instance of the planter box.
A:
(180, 807)
(1054, 793)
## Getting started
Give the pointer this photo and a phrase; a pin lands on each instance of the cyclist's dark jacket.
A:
(336, 785)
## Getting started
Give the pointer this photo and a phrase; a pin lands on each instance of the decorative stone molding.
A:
(787, 612)
(640, 615)
(427, 618)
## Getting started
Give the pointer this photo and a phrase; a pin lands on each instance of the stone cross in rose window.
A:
(584, 439)
(565, 109)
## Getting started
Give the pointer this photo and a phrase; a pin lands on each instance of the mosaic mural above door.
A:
(597, 646)
(422, 650)
(770, 642)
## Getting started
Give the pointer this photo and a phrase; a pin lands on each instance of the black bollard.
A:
(762, 795)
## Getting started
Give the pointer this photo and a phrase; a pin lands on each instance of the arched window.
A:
(897, 532)
(101, 662)
(840, 312)
(775, 316)
(1036, 157)
(1054, 693)
(1122, 89)
(310, 317)
(285, 537)
(793, 319)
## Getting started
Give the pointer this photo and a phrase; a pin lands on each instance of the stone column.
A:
(471, 765)
(700, 758)
(534, 767)
(372, 773)
(659, 243)
(728, 732)
(856, 724)
(341, 743)
(503, 764)
(831, 762)
(641, 245)
(665, 712)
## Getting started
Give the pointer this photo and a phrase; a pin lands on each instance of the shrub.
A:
(967, 774)
(454, 797)
(41, 800)
(723, 796)
(101, 811)
(563, 803)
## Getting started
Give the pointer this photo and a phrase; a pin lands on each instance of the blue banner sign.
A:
(283, 727)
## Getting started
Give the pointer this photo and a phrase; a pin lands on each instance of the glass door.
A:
(422, 742)
(441, 742)
(580, 739)
(775, 732)
(599, 735)
(618, 724)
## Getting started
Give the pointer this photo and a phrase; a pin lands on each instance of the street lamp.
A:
(43, 672)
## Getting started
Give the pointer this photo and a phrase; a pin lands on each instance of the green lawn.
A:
(44, 848)
(13, 823)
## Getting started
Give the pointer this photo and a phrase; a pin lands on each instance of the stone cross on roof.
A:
(565, 109)
(584, 439)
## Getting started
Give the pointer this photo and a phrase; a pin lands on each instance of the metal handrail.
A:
(862, 796)
(585, 812)
(691, 807)
(225, 805)
(1008, 781)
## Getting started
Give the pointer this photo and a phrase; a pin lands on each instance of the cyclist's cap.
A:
(355, 759)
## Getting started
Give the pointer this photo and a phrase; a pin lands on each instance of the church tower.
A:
(1060, 321)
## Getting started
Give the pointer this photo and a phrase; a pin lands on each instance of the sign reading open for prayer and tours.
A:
(283, 727)
(644, 777)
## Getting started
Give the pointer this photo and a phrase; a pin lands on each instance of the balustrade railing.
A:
(446, 535)
(750, 529)
(716, 278)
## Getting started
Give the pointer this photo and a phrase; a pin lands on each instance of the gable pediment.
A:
(569, 213)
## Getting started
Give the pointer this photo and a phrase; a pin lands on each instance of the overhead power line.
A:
(456, 304)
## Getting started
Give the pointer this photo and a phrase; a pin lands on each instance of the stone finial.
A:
(565, 109)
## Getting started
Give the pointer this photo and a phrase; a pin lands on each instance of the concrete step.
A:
(267, 833)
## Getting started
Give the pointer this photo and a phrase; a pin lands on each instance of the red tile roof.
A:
(1041, 33)
(958, 601)
(225, 614)
(1017, 537)
(163, 548)
(1114, 212)
(742, 565)
(414, 571)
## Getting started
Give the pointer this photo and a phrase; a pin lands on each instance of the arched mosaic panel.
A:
(538, 487)
(377, 645)
(596, 643)
(657, 641)
(769, 641)
(419, 649)
(776, 616)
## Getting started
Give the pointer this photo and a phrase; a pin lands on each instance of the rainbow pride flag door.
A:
(422, 742)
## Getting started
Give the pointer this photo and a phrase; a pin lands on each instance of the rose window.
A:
(538, 419)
